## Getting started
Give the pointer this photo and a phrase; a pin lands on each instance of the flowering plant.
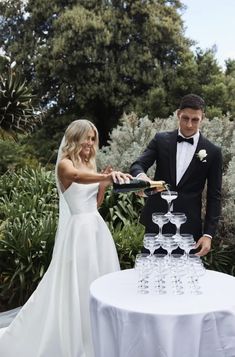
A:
(202, 154)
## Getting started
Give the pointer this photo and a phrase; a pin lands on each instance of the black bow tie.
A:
(180, 139)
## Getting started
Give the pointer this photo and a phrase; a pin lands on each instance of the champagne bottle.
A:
(136, 185)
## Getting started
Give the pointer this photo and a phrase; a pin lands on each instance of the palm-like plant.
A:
(17, 114)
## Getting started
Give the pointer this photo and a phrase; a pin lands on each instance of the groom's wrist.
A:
(142, 176)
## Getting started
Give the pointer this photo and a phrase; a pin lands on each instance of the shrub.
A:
(14, 156)
(28, 207)
(129, 139)
(221, 257)
(121, 209)
(129, 241)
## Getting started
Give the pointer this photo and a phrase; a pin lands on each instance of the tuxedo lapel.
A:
(172, 154)
(201, 145)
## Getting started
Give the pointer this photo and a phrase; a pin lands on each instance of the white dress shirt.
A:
(184, 155)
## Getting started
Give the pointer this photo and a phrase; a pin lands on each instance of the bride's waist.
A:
(83, 210)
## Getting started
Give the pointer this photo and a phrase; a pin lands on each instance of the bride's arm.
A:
(67, 174)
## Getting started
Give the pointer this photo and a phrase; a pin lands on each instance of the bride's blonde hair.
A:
(75, 135)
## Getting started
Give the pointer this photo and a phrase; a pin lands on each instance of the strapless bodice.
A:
(81, 198)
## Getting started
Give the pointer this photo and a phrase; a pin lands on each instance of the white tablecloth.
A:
(128, 324)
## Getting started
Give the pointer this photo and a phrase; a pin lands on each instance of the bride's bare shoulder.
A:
(65, 163)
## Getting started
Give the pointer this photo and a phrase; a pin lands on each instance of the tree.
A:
(97, 58)
(100, 58)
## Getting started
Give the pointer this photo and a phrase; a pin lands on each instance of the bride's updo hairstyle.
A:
(74, 137)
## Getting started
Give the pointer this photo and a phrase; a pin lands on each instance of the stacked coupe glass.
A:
(170, 273)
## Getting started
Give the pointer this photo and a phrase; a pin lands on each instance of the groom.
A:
(186, 160)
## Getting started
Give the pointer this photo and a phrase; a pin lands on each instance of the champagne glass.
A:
(177, 218)
(169, 244)
(160, 272)
(151, 243)
(196, 270)
(160, 219)
(143, 272)
(186, 243)
(169, 196)
(177, 272)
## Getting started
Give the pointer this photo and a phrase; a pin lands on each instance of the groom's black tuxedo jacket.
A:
(162, 151)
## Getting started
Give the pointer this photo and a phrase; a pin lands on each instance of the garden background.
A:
(122, 64)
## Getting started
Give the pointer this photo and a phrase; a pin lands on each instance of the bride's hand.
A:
(115, 176)
(107, 170)
(119, 177)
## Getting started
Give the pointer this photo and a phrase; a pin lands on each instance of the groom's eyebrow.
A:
(186, 117)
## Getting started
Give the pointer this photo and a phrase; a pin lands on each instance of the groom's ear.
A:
(203, 116)
(178, 113)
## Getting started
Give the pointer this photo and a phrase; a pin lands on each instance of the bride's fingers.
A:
(120, 177)
(107, 170)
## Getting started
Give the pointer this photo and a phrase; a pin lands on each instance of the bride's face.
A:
(87, 144)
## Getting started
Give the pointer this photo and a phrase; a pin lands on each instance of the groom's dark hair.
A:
(192, 101)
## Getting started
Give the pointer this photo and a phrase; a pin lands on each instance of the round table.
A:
(128, 324)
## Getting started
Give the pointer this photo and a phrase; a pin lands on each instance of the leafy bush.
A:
(120, 209)
(14, 155)
(129, 139)
(28, 207)
(129, 241)
(221, 257)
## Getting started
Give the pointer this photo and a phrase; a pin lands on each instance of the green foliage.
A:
(14, 155)
(129, 139)
(129, 242)
(221, 258)
(45, 141)
(118, 210)
(17, 114)
(28, 207)
(97, 58)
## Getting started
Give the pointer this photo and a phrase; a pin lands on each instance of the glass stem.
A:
(169, 206)
(178, 230)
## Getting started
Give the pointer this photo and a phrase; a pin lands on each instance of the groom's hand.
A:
(204, 243)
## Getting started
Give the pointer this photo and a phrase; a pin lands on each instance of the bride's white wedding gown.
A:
(55, 321)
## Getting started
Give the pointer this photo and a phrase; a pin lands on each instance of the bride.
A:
(55, 320)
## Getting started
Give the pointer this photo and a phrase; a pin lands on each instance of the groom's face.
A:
(189, 120)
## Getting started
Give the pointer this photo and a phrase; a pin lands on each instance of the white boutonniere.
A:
(202, 154)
